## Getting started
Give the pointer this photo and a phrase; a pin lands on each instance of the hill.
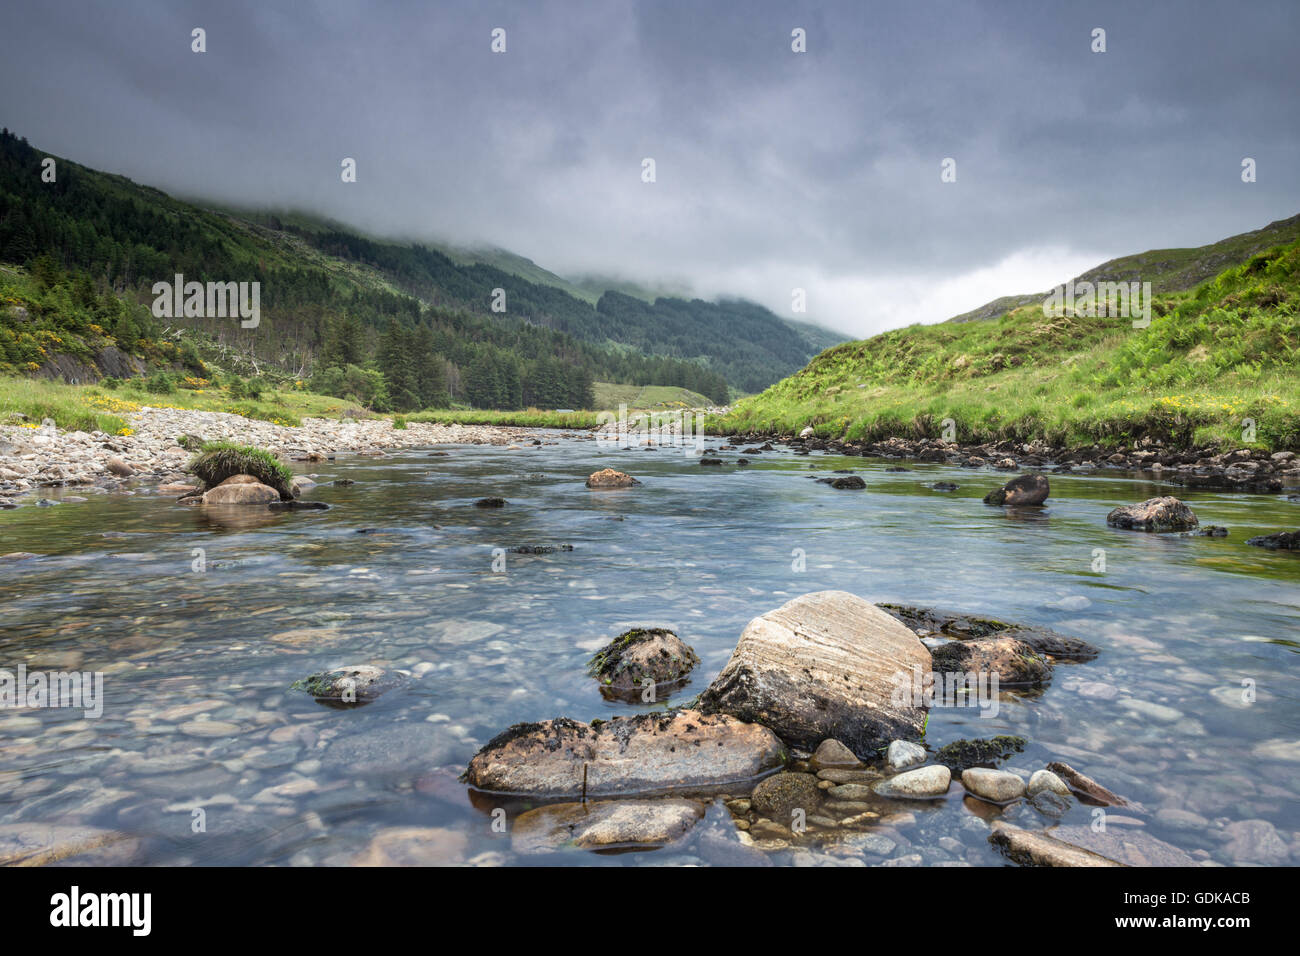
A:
(1219, 363)
(332, 298)
(1168, 270)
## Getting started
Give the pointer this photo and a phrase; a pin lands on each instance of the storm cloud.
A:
(775, 170)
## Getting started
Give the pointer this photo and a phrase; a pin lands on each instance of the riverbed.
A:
(200, 624)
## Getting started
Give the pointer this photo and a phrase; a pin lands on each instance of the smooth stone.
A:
(414, 846)
(930, 781)
(41, 844)
(872, 843)
(210, 728)
(779, 795)
(831, 754)
(1037, 848)
(1255, 841)
(997, 786)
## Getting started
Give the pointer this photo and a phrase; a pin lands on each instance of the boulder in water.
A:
(642, 658)
(1021, 490)
(1166, 513)
(609, 478)
(827, 664)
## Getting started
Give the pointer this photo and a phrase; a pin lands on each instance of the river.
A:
(1192, 707)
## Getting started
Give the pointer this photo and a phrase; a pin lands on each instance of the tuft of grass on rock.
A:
(217, 461)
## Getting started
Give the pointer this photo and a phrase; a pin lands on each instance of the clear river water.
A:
(200, 627)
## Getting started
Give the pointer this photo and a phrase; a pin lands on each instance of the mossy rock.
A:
(964, 754)
(217, 461)
(965, 627)
(640, 657)
(357, 684)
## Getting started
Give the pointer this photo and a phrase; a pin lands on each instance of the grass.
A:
(99, 408)
(658, 397)
(527, 418)
(70, 408)
(1215, 360)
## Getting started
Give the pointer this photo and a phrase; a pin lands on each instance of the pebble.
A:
(210, 728)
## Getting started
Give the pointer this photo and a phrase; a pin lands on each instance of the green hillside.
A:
(1213, 357)
(340, 308)
(1168, 270)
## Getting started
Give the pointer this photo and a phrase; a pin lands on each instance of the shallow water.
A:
(1181, 622)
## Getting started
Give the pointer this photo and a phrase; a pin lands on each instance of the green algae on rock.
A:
(642, 661)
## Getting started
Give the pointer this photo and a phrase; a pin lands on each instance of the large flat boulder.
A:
(826, 664)
(678, 751)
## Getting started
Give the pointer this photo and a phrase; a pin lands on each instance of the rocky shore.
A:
(1243, 469)
(35, 455)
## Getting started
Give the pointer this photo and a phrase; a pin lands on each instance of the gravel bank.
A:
(33, 458)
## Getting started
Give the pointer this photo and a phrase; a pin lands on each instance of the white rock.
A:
(903, 754)
(930, 781)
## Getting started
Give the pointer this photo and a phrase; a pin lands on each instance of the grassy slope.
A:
(1168, 270)
(610, 396)
(1213, 356)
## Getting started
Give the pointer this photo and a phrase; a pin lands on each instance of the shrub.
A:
(160, 383)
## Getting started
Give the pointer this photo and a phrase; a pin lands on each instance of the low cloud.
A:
(774, 169)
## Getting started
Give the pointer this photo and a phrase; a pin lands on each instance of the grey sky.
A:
(775, 170)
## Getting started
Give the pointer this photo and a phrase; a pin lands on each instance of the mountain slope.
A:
(1168, 270)
(1218, 363)
(95, 244)
(313, 273)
